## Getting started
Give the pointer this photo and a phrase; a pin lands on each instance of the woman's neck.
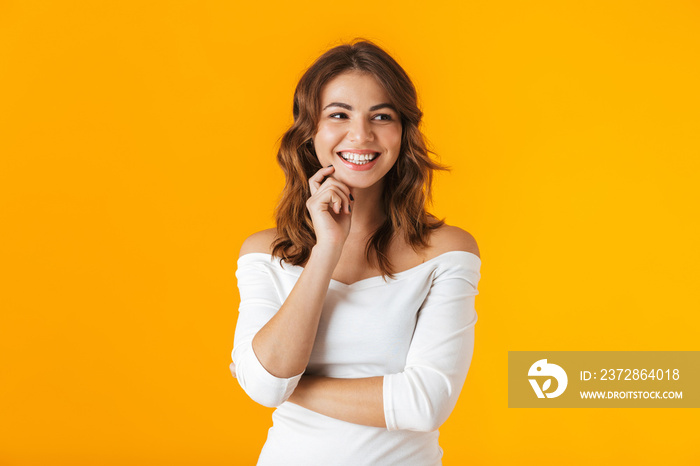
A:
(367, 210)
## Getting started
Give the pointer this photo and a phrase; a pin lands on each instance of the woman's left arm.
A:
(422, 396)
(352, 400)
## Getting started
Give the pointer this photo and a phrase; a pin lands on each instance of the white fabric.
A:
(416, 330)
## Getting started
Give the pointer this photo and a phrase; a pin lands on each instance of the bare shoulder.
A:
(260, 241)
(451, 238)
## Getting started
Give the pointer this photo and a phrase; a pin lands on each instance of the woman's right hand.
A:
(329, 206)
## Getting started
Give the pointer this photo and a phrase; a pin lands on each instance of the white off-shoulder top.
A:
(417, 331)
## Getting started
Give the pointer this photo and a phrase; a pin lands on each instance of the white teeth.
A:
(358, 159)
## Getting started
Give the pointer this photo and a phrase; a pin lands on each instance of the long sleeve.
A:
(259, 302)
(422, 396)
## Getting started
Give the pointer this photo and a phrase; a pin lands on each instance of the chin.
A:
(360, 184)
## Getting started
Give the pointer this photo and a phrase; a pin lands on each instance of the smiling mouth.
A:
(358, 159)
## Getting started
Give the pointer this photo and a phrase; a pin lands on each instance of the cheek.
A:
(328, 135)
(393, 139)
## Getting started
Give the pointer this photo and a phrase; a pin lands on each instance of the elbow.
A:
(428, 426)
(267, 400)
(418, 400)
(429, 420)
(261, 386)
(264, 395)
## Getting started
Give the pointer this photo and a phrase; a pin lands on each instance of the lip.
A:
(359, 168)
(358, 151)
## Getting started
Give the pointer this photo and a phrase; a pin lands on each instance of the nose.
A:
(360, 131)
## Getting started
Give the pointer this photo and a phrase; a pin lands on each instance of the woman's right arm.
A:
(269, 367)
(283, 345)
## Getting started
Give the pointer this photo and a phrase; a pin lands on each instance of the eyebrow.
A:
(371, 109)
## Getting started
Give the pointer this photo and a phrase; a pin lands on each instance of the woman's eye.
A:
(381, 116)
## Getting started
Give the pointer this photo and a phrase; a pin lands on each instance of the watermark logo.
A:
(542, 369)
(603, 379)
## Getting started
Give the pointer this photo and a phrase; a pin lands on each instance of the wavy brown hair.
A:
(407, 186)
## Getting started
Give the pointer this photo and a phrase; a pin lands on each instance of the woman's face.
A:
(359, 131)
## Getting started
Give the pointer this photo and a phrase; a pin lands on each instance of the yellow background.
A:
(138, 143)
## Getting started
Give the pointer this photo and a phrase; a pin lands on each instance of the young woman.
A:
(357, 312)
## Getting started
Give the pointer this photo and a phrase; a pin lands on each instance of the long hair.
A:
(407, 186)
